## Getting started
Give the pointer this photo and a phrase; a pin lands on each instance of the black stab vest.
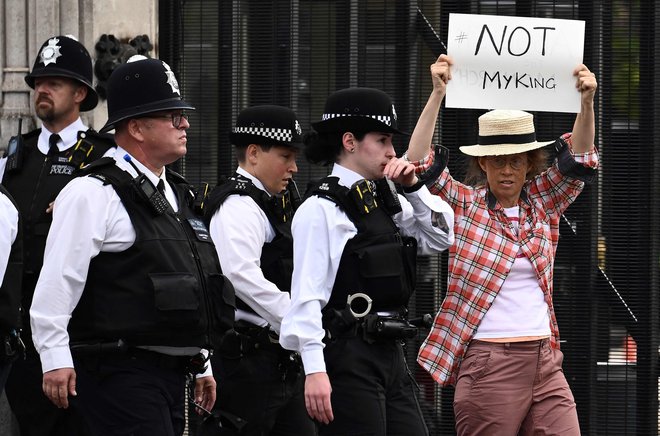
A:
(377, 261)
(277, 255)
(34, 185)
(167, 288)
(10, 292)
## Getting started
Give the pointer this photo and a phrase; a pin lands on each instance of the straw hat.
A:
(505, 132)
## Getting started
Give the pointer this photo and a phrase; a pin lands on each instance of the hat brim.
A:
(87, 104)
(502, 149)
(244, 139)
(137, 111)
(354, 123)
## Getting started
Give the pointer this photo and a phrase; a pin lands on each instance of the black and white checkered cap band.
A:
(280, 135)
(386, 119)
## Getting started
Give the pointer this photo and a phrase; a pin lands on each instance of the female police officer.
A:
(354, 261)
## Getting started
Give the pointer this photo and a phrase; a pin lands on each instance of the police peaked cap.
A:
(359, 110)
(267, 125)
(139, 87)
(63, 56)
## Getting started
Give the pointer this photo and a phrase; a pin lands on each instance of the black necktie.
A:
(52, 144)
(161, 187)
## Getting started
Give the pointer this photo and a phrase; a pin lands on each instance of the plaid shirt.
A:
(484, 251)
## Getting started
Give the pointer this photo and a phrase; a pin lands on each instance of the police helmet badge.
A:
(298, 128)
(50, 52)
(171, 79)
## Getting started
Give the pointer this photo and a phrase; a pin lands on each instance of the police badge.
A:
(51, 52)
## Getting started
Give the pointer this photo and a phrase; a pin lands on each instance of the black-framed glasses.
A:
(174, 116)
(515, 162)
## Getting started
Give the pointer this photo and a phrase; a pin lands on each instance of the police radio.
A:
(14, 152)
(147, 191)
(388, 195)
(363, 196)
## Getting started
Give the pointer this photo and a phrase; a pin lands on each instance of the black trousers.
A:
(35, 414)
(131, 396)
(262, 388)
(372, 390)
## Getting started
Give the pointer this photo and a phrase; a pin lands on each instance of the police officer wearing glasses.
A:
(36, 167)
(355, 242)
(131, 295)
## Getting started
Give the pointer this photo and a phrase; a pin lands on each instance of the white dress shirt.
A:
(88, 218)
(320, 232)
(68, 138)
(239, 229)
(8, 231)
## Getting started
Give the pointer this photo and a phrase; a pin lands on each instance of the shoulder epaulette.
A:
(235, 184)
(330, 189)
(96, 165)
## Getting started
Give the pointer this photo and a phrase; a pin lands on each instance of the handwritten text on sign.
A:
(514, 62)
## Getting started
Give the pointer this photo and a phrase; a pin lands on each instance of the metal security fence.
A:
(233, 54)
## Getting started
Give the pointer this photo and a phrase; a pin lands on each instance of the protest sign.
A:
(503, 62)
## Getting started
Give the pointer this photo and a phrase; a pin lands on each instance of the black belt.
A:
(94, 354)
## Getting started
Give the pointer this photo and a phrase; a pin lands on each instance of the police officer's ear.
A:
(349, 142)
(252, 153)
(133, 128)
(80, 94)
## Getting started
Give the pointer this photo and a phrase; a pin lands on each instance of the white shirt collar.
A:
(68, 136)
(346, 177)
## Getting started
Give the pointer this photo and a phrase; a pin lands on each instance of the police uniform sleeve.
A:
(320, 232)
(81, 218)
(238, 228)
(428, 219)
(8, 231)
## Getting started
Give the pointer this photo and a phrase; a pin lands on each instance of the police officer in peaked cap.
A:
(355, 241)
(250, 222)
(148, 301)
(34, 170)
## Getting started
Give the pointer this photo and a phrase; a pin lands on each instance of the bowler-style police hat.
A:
(141, 86)
(267, 125)
(358, 110)
(64, 56)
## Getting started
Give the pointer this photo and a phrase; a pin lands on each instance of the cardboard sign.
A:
(514, 63)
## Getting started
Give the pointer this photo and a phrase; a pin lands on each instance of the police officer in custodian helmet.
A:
(135, 269)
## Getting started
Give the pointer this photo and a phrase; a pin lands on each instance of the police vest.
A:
(377, 261)
(167, 288)
(34, 183)
(10, 292)
(277, 255)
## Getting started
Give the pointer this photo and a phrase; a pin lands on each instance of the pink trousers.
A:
(514, 388)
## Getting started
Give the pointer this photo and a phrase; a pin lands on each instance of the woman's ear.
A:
(349, 142)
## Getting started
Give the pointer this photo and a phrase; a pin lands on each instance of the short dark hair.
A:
(324, 148)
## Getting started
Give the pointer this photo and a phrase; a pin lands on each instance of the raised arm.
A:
(584, 129)
(420, 141)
